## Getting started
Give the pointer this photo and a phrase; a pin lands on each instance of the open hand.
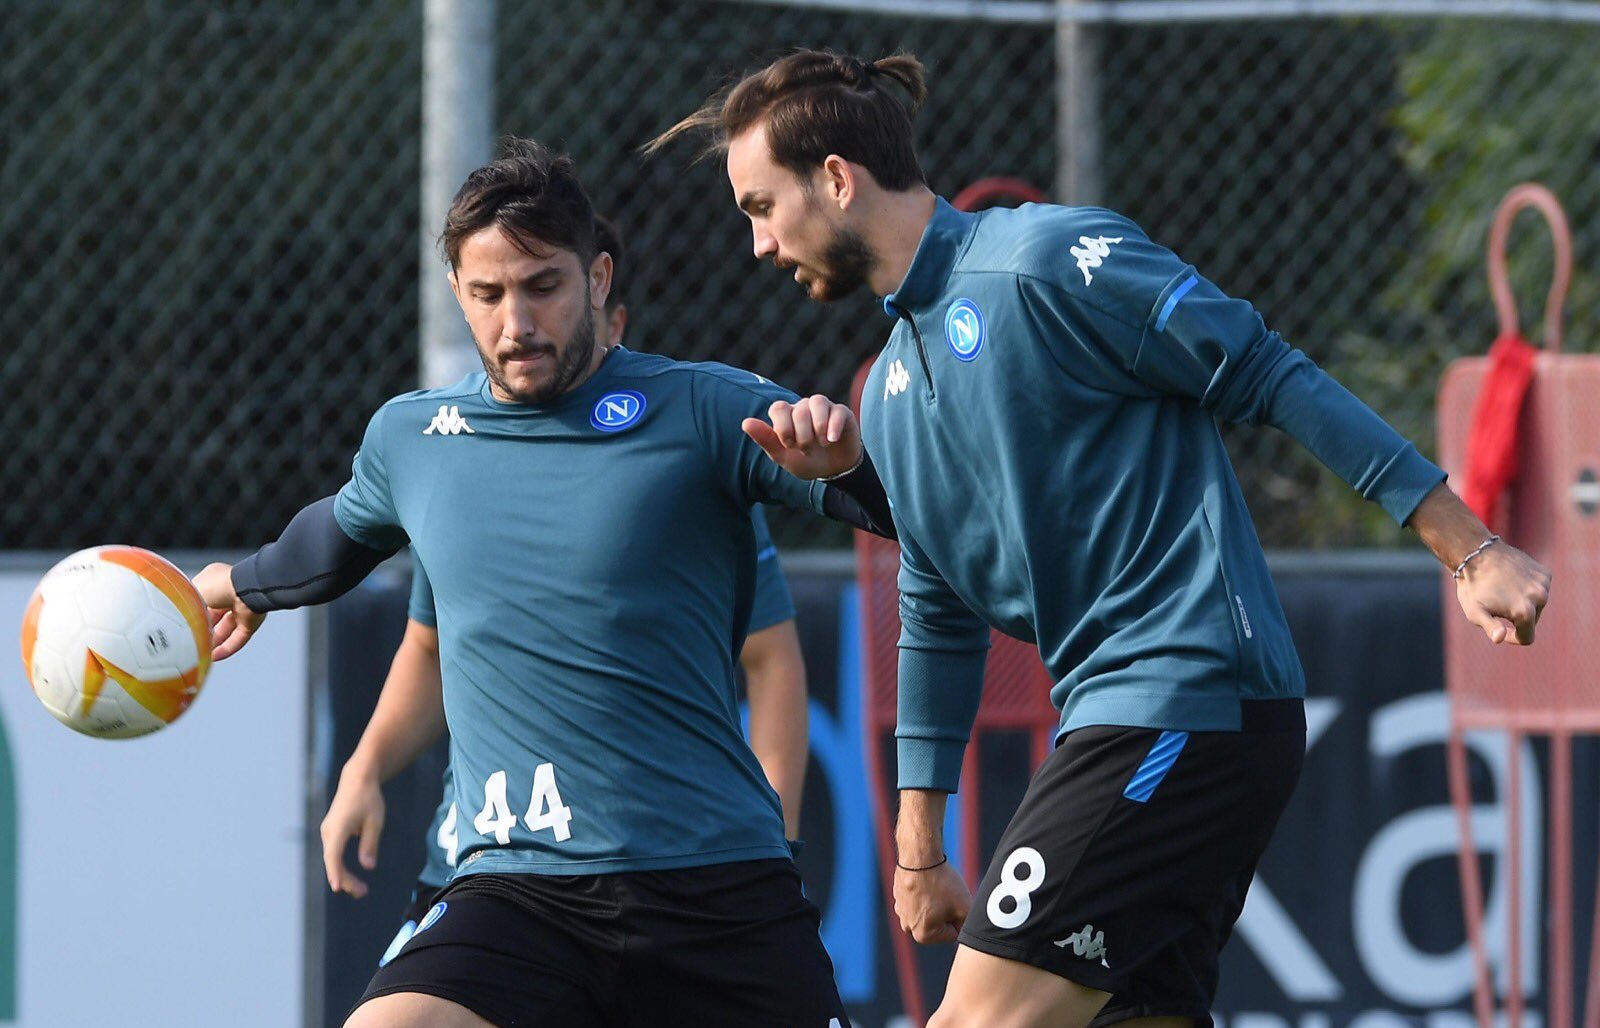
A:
(232, 623)
(357, 810)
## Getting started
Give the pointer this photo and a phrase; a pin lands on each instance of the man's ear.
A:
(839, 181)
(599, 279)
(455, 290)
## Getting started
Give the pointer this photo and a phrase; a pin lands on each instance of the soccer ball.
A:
(116, 642)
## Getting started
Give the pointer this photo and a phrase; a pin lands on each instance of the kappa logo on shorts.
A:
(964, 329)
(616, 411)
(1086, 943)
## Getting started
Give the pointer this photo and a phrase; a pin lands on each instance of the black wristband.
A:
(857, 498)
(941, 862)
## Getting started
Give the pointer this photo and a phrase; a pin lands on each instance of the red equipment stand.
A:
(1551, 510)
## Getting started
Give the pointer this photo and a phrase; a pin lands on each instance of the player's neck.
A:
(897, 231)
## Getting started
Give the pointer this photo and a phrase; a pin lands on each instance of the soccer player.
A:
(583, 516)
(1044, 418)
(773, 665)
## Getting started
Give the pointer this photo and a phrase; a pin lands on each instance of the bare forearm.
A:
(776, 676)
(919, 830)
(1447, 526)
(409, 716)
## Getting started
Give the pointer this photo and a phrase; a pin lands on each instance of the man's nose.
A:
(765, 245)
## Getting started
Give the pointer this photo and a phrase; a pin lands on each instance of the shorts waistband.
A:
(1275, 715)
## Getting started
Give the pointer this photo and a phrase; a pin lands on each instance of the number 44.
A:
(545, 809)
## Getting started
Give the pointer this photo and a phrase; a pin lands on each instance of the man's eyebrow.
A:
(537, 278)
(749, 200)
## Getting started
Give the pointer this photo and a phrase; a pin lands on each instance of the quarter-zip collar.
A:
(943, 240)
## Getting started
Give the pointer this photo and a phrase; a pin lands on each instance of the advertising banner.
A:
(1355, 916)
(157, 882)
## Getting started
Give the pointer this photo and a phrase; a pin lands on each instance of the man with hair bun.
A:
(1044, 419)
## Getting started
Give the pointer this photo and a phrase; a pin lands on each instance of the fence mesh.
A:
(207, 218)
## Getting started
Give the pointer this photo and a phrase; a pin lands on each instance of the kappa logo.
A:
(1087, 943)
(1091, 253)
(448, 422)
(964, 329)
(614, 412)
(896, 381)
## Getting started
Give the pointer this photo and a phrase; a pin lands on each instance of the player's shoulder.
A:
(469, 388)
(1037, 239)
(430, 403)
(1090, 259)
(709, 377)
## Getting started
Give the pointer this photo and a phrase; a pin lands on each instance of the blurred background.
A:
(212, 229)
(216, 229)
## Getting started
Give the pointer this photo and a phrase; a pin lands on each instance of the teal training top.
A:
(1044, 419)
(772, 606)
(593, 568)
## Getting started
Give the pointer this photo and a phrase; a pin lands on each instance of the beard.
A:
(844, 267)
(571, 362)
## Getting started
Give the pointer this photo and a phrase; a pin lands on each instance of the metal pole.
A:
(1078, 108)
(457, 136)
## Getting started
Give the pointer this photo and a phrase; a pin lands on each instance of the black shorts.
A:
(728, 944)
(1127, 862)
(416, 909)
(422, 897)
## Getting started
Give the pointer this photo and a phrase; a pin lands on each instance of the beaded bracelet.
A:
(1461, 568)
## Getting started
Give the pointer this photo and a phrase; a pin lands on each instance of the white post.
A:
(1078, 170)
(457, 136)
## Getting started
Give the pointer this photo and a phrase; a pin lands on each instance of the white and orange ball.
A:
(116, 642)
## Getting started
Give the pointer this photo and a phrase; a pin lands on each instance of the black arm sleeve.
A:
(858, 499)
(313, 561)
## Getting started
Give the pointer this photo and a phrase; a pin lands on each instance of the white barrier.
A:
(159, 881)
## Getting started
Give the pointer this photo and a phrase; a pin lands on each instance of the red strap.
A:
(1492, 441)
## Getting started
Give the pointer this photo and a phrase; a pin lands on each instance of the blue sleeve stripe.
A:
(766, 554)
(1172, 301)
(1163, 754)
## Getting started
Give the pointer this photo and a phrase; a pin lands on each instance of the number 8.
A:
(1018, 890)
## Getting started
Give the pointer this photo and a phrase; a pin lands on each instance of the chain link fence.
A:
(207, 216)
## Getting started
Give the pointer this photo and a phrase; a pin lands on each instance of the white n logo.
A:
(1092, 252)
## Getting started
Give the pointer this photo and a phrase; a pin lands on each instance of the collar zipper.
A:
(922, 353)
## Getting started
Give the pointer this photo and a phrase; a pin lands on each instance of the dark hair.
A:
(532, 193)
(608, 240)
(816, 103)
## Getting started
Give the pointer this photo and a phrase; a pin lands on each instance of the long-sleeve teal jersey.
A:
(772, 605)
(1044, 419)
(593, 566)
